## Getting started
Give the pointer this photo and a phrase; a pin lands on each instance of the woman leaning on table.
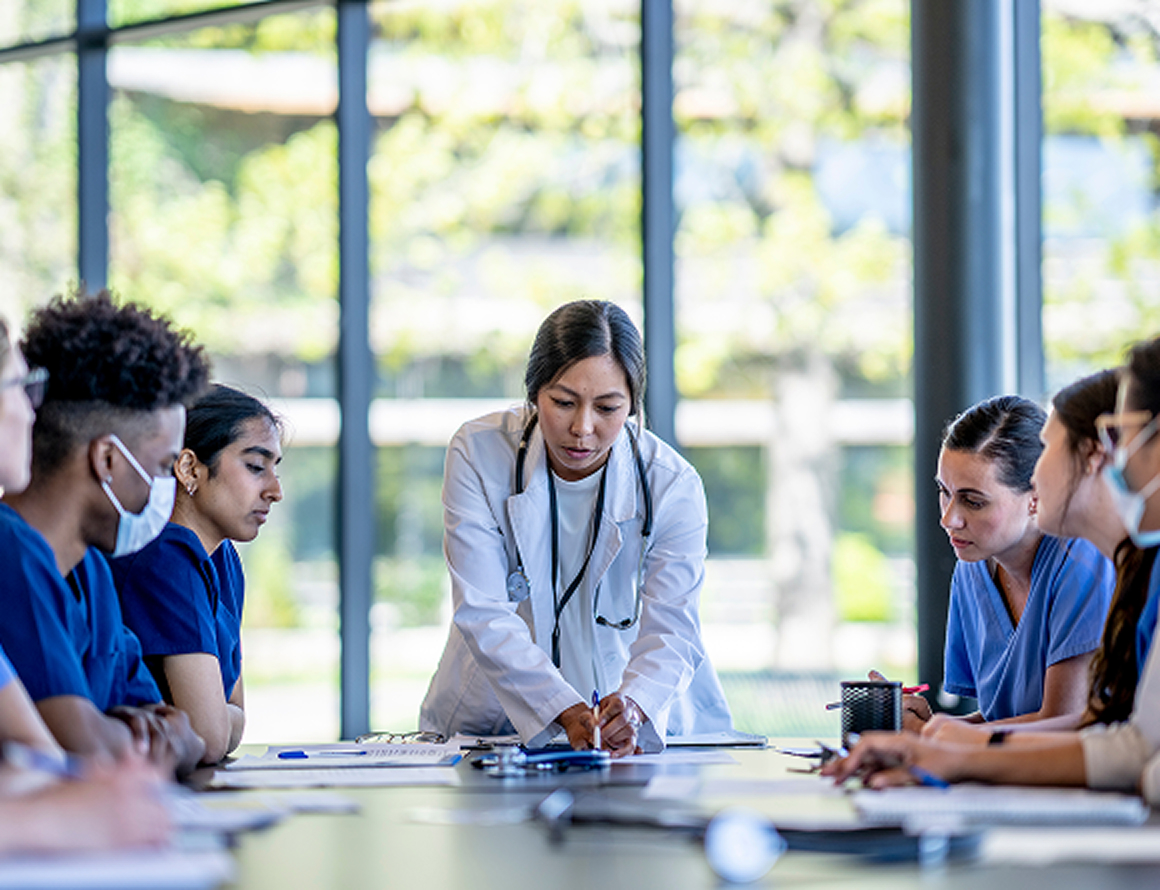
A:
(575, 540)
(1114, 756)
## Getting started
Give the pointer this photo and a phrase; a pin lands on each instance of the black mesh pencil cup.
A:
(869, 705)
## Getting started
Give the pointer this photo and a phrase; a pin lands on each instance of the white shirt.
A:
(575, 504)
(496, 671)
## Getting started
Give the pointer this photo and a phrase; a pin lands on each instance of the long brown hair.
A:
(1114, 671)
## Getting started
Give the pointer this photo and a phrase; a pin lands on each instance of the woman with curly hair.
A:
(103, 448)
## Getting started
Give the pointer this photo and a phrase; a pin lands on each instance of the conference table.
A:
(479, 834)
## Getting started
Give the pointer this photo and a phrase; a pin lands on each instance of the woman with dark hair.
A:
(1026, 608)
(576, 546)
(1116, 753)
(183, 593)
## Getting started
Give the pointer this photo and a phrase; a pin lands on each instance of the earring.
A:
(190, 489)
(1034, 506)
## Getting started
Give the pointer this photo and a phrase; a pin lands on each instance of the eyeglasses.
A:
(418, 737)
(35, 382)
(1110, 427)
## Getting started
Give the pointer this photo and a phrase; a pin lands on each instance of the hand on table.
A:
(163, 734)
(620, 721)
(945, 728)
(915, 709)
(578, 722)
(884, 759)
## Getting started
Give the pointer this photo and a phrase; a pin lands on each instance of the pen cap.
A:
(870, 705)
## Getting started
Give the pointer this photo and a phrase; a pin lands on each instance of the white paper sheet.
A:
(347, 754)
(1040, 846)
(676, 756)
(335, 778)
(999, 805)
(171, 869)
(684, 786)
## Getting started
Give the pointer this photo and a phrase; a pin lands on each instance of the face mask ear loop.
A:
(128, 455)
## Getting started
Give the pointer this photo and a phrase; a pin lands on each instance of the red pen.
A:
(914, 690)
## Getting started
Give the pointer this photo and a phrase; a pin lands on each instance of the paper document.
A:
(347, 754)
(1041, 846)
(334, 778)
(170, 869)
(673, 757)
(995, 805)
(733, 739)
(224, 814)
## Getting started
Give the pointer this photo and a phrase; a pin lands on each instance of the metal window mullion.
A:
(658, 215)
(92, 144)
(1028, 163)
(356, 466)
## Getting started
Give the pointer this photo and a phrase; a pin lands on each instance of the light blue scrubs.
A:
(1002, 665)
(66, 636)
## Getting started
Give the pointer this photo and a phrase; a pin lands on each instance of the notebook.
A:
(998, 805)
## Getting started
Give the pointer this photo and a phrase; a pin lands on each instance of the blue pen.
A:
(306, 755)
(596, 715)
(926, 777)
(23, 757)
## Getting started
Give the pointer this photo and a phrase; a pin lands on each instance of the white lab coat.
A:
(496, 672)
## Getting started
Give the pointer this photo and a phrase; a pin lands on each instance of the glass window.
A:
(224, 215)
(128, 12)
(1101, 175)
(29, 21)
(38, 182)
(504, 181)
(793, 288)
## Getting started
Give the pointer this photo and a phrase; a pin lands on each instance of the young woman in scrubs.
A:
(183, 594)
(1120, 755)
(575, 540)
(1026, 609)
(114, 806)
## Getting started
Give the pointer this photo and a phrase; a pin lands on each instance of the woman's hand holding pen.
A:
(884, 759)
(620, 722)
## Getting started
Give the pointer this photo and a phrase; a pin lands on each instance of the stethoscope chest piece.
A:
(518, 588)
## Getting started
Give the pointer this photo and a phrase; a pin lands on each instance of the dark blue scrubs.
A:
(180, 601)
(66, 636)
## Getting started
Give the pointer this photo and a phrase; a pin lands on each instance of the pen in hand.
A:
(596, 716)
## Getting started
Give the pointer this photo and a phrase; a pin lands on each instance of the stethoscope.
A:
(518, 586)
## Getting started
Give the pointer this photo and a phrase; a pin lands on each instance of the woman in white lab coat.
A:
(576, 545)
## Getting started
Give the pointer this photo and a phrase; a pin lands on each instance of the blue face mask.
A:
(1130, 504)
(135, 530)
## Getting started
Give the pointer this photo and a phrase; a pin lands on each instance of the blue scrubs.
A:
(66, 636)
(179, 600)
(1003, 665)
(1146, 626)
